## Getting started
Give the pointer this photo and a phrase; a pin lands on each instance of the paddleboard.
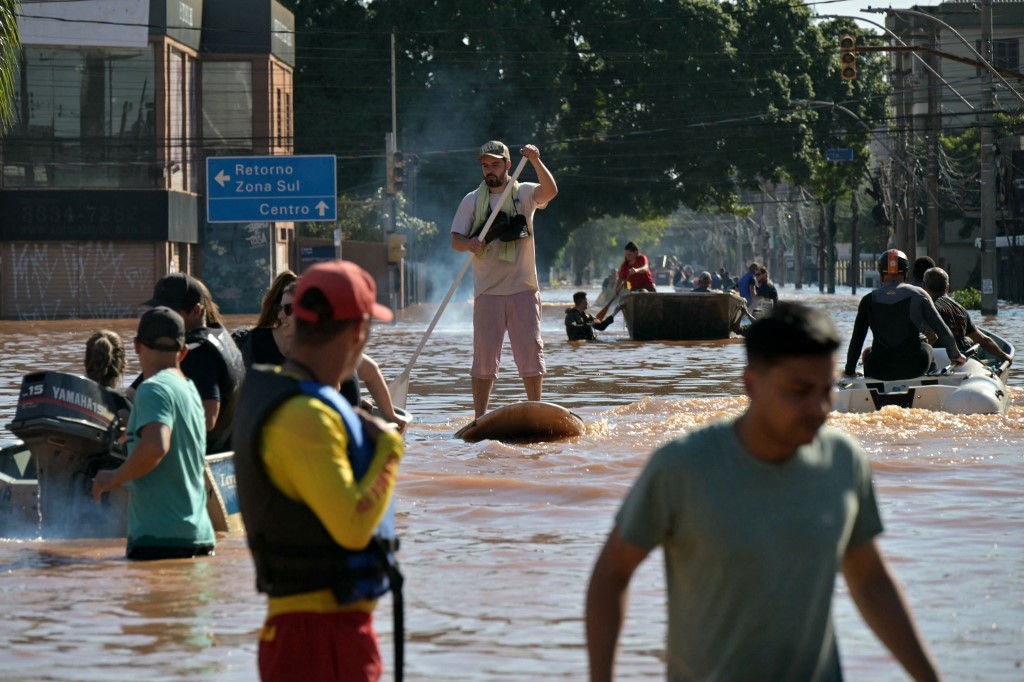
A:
(531, 421)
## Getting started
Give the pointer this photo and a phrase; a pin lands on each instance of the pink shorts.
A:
(320, 646)
(519, 315)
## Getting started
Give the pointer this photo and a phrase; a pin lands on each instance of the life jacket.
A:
(228, 381)
(292, 550)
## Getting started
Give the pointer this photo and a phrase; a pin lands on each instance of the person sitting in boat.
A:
(635, 270)
(167, 515)
(725, 280)
(921, 265)
(956, 317)
(764, 292)
(746, 284)
(898, 314)
(685, 281)
(213, 363)
(105, 364)
(703, 283)
(579, 324)
(268, 341)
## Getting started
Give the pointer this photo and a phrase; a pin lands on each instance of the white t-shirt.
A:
(491, 274)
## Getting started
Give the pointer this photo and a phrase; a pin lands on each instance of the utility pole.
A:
(987, 199)
(989, 289)
(932, 140)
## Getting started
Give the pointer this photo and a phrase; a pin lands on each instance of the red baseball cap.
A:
(348, 288)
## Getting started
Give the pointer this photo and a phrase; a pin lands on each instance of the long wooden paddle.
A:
(601, 313)
(399, 388)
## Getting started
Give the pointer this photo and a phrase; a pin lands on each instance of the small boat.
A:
(529, 421)
(976, 387)
(19, 492)
(682, 316)
(68, 426)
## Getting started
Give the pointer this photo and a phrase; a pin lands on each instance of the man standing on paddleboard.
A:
(755, 515)
(506, 289)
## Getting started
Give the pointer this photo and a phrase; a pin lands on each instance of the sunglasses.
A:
(287, 309)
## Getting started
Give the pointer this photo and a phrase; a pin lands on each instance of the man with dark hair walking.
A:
(756, 514)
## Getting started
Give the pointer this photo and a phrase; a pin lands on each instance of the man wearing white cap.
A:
(507, 292)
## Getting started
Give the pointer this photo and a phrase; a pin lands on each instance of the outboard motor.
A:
(71, 426)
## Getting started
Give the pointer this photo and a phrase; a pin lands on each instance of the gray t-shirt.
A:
(751, 550)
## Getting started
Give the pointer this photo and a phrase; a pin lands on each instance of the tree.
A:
(10, 48)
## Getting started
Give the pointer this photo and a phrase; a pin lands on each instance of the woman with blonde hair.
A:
(105, 358)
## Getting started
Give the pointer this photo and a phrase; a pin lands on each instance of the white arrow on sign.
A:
(221, 178)
(322, 207)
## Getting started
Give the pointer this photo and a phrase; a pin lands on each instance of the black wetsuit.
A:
(897, 314)
(580, 326)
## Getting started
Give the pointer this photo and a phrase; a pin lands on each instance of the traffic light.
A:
(396, 172)
(848, 57)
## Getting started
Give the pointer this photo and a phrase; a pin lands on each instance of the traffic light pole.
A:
(989, 288)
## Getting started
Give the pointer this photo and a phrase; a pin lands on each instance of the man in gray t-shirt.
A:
(756, 514)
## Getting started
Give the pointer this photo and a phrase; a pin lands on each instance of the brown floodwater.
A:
(498, 540)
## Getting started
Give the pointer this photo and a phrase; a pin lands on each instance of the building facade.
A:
(102, 189)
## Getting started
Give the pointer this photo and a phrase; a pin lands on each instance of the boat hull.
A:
(69, 426)
(977, 387)
(682, 316)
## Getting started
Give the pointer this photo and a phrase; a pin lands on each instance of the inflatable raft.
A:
(977, 387)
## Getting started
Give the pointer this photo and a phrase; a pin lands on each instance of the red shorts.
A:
(320, 646)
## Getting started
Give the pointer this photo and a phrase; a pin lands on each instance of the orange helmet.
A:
(893, 262)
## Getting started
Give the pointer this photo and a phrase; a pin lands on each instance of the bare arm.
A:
(154, 442)
(607, 597)
(880, 601)
(211, 410)
(370, 374)
(548, 187)
(461, 242)
(986, 342)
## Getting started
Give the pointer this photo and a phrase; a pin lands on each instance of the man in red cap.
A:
(507, 292)
(315, 480)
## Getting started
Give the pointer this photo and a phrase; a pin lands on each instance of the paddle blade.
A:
(399, 389)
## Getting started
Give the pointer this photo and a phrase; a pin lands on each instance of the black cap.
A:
(161, 328)
(177, 291)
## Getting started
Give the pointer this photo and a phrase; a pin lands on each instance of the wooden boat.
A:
(68, 427)
(977, 387)
(682, 316)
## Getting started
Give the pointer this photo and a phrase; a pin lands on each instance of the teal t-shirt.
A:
(751, 550)
(167, 506)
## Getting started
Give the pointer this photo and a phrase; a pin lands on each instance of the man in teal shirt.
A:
(756, 514)
(164, 471)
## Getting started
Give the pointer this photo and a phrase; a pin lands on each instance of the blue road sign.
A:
(837, 155)
(244, 189)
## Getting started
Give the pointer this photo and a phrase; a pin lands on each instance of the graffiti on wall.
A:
(237, 265)
(51, 280)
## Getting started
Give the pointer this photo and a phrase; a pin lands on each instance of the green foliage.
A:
(600, 242)
(637, 107)
(10, 45)
(969, 298)
(369, 221)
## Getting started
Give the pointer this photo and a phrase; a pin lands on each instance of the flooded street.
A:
(498, 540)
